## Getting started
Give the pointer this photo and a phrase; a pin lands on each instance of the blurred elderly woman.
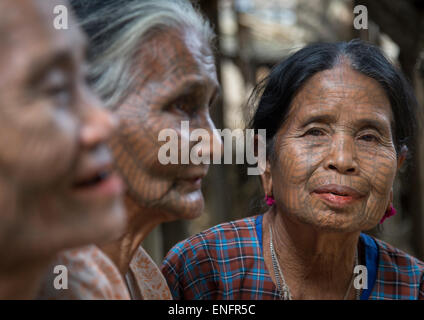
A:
(57, 189)
(337, 117)
(152, 63)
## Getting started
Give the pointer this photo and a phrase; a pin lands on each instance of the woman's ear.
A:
(390, 200)
(266, 179)
(402, 156)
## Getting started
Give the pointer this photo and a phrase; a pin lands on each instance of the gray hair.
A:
(116, 30)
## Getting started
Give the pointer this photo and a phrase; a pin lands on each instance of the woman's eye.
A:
(56, 90)
(57, 86)
(368, 138)
(60, 93)
(315, 132)
(182, 106)
(179, 106)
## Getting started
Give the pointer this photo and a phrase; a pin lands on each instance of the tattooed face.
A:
(52, 140)
(177, 83)
(335, 161)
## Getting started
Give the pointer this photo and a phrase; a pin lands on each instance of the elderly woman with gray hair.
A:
(151, 61)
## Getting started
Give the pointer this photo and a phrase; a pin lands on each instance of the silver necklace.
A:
(283, 288)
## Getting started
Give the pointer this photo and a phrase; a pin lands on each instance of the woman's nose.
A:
(98, 124)
(342, 156)
(215, 148)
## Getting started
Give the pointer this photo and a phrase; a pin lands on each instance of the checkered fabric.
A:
(399, 276)
(226, 262)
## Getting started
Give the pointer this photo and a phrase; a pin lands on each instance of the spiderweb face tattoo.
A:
(335, 157)
(176, 82)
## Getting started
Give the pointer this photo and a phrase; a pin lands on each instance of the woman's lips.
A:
(336, 200)
(100, 186)
(192, 183)
(191, 180)
(337, 196)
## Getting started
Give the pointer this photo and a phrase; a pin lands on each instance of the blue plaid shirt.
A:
(226, 262)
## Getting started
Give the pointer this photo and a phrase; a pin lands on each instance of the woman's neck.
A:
(22, 282)
(140, 223)
(18, 280)
(316, 264)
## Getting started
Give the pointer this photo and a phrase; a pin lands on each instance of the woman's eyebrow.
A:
(320, 118)
(41, 67)
(376, 124)
(184, 88)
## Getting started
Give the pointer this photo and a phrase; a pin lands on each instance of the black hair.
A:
(276, 92)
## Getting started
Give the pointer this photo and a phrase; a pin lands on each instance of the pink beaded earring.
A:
(269, 200)
(389, 213)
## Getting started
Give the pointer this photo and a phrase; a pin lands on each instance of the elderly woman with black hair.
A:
(337, 117)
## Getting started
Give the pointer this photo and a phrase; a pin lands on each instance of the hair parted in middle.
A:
(273, 96)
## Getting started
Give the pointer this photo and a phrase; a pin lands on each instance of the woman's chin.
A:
(188, 205)
(330, 221)
(102, 224)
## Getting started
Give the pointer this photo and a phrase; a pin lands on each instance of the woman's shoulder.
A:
(393, 257)
(217, 243)
(399, 274)
(90, 275)
(242, 231)
(194, 267)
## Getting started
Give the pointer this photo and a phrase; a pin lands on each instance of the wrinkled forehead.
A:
(28, 31)
(342, 89)
(177, 52)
